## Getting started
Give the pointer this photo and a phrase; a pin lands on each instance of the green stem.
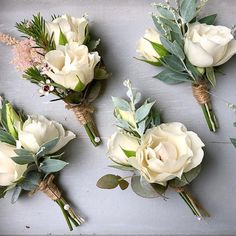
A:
(210, 117)
(65, 214)
(92, 133)
(193, 205)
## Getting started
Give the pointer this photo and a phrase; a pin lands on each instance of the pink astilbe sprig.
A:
(8, 40)
(25, 55)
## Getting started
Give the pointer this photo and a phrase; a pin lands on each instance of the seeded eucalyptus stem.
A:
(194, 206)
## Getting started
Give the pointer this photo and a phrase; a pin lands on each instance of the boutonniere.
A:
(159, 155)
(190, 49)
(61, 57)
(31, 155)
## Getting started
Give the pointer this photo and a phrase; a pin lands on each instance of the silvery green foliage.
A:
(172, 22)
(143, 114)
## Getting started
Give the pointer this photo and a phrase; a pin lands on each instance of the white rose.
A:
(73, 28)
(9, 170)
(119, 141)
(166, 152)
(38, 130)
(209, 45)
(72, 65)
(145, 48)
(126, 116)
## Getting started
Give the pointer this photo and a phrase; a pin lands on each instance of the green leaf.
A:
(22, 152)
(52, 165)
(193, 69)
(31, 181)
(108, 181)
(23, 160)
(80, 86)
(186, 178)
(188, 9)
(158, 25)
(171, 77)
(100, 74)
(178, 38)
(144, 189)
(121, 103)
(211, 75)
(129, 153)
(209, 20)
(153, 63)
(156, 118)
(93, 44)
(94, 90)
(143, 111)
(161, 51)
(173, 26)
(16, 194)
(121, 167)
(233, 141)
(47, 147)
(123, 184)
(7, 138)
(165, 12)
(62, 39)
(173, 48)
(2, 191)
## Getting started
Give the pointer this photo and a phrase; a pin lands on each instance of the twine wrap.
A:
(49, 188)
(82, 111)
(200, 92)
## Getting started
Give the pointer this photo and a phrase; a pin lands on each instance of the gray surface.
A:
(120, 24)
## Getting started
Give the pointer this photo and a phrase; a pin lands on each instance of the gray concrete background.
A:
(120, 24)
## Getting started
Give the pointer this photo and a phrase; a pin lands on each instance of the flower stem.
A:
(194, 206)
(209, 116)
(92, 133)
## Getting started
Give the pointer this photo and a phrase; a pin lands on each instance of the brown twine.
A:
(200, 92)
(82, 111)
(8, 40)
(49, 188)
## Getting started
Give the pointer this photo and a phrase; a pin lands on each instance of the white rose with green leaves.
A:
(118, 144)
(209, 45)
(9, 170)
(145, 48)
(72, 66)
(74, 29)
(38, 130)
(166, 152)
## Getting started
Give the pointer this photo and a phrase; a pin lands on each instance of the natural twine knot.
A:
(82, 111)
(200, 92)
(49, 188)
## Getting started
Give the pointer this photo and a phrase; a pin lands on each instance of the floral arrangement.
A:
(30, 156)
(61, 58)
(189, 47)
(159, 155)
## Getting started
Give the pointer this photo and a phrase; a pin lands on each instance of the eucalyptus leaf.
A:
(52, 165)
(31, 181)
(47, 147)
(23, 160)
(233, 141)
(6, 138)
(209, 20)
(22, 152)
(158, 25)
(186, 178)
(171, 77)
(173, 26)
(143, 111)
(163, 11)
(177, 37)
(173, 63)
(173, 48)
(143, 188)
(123, 184)
(193, 69)
(108, 181)
(142, 127)
(156, 118)
(95, 91)
(121, 103)
(210, 73)
(121, 167)
(16, 194)
(188, 9)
